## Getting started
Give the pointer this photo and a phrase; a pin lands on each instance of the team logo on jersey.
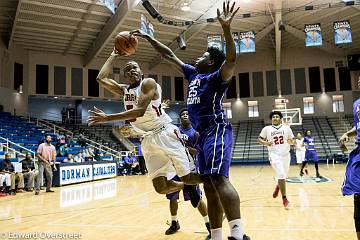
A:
(308, 179)
(193, 92)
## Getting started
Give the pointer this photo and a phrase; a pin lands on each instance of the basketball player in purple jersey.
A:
(351, 185)
(311, 153)
(190, 137)
(208, 83)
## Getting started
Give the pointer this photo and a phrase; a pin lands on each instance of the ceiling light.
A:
(55, 97)
(185, 7)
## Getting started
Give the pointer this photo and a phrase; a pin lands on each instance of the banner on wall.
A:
(146, 25)
(313, 36)
(342, 32)
(215, 41)
(247, 42)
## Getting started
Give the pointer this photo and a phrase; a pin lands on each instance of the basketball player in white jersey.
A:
(162, 146)
(278, 138)
(300, 150)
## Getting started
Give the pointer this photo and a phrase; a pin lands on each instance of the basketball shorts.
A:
(311, 155)
(300, 156)
(280, 164)
(165, 152)
(214, 150)
(175, 195)
(351, 183)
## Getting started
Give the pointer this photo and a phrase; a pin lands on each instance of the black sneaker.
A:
(50, 190)
(318, 175)
(244, 238)
(194, 195)
(301, 173)
(37, 192)
(306, 172)
(174, 227)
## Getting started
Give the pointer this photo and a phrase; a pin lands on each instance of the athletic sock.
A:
(216, 234)
(236, 229)
(174, 218)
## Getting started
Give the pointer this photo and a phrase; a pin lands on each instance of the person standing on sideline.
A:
(46, 154)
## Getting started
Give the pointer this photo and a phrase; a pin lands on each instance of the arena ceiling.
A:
(87, 28)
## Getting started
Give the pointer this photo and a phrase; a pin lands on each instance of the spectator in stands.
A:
(5, 178)
(131, 163)
(89, 154)
(79, 157)
(69, 159)
(46, 154)
(64, 150)
(29, 172)
(7, 167)
(81, 140)
(61, 139)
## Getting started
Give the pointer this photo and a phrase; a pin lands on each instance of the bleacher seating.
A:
(29, 135)
(327, 132)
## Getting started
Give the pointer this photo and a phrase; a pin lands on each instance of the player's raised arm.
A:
(164, 50)
(149, 92)
(225, 18)
(103, 76)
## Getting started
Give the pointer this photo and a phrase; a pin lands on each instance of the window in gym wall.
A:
(244, 85)
(329, 80)
(227, 109)
(93, 85)
(42, 79)
(338, 103)
(59, 80)
(308, 105)
(231, 92)
(271, 83)
(345, 79)
(18, 75)
(300, 80)
(166, 87)
(258, 84)
(285, 79)
(314, 79)
(76, 81)
(253, 109)
(179, 89)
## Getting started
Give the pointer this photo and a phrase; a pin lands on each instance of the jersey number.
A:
(128, 107)
(157, 110)
(278, 140)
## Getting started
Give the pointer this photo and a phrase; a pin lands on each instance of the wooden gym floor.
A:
(128, 208)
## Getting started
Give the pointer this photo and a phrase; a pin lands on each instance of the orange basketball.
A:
(125, 43)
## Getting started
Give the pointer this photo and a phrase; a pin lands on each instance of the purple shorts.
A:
(175, 195)
(214, 150)
(311, 155)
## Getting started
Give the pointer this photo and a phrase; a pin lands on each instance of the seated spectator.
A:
(5, 178)
(29, 172)
(89, 154)
(79, 157)
(131, 163)
(69, 159)
(63, 150)
(61, 138)
(7, 167)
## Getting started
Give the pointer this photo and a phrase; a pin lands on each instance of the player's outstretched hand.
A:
(98, 116)
(165, 104)
(225, 18)
(342, 141)
(116, 53)
(139, 33)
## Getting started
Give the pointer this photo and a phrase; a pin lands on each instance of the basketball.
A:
(125, 43)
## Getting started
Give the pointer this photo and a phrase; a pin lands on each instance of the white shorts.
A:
(300, 156)
(164, 153)
(281, 164)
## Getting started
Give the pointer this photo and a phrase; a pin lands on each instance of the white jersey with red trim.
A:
(278, 136)
(154, 117)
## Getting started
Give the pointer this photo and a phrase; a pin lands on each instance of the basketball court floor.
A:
(128, 208)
